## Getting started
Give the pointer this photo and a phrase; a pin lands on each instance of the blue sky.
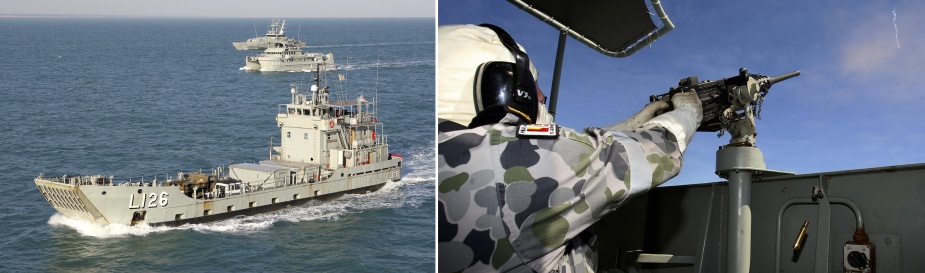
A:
(222, 8)
(858, 103)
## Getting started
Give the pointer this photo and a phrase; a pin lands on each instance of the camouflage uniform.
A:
(511, 204)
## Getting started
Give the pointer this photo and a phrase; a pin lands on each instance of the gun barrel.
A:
(780, 78)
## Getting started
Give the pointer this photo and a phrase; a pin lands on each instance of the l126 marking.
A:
(151, 200)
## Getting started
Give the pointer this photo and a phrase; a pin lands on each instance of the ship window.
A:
(295, 196)
(275, 199)
(252, 204)
(306, 136)
(230, 208)
(288, 134)
(206, 212)
(179, 216)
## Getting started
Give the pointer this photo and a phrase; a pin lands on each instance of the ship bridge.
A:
(335, 134)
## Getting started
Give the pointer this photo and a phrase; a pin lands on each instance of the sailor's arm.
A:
(663, 139)
(608, 167)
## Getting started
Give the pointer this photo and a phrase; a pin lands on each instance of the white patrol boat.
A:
(327, 148)
(283, 57)
(276, 34)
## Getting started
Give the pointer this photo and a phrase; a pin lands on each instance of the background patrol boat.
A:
(327, 148)
(276, 34)
(284, 57)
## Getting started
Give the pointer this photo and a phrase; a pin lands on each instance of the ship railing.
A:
(243, 188)
(100, 180)
(252, 187)
(363, 118)
(78, 180)
(155, 182)
(380, 157)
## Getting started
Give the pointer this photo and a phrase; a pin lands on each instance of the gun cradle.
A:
(729, 104)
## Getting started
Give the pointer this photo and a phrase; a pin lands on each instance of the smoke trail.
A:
(895, 26)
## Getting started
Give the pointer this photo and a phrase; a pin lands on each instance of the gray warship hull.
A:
(683, 228)
(289, 59)
(327, 149)
(84, 198)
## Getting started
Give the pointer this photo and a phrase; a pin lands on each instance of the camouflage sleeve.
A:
(505, 201)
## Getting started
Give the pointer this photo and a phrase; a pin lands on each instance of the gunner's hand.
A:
(688, 100)
(682, 122)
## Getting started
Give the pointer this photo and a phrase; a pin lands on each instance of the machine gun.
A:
(730, 104)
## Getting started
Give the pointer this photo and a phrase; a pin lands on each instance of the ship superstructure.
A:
(276, 34)
(327, 148)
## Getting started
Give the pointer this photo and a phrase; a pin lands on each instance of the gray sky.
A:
(223, 8)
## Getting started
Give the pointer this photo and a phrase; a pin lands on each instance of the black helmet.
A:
(505, 85)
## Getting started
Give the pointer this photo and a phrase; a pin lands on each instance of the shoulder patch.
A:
(544, 131)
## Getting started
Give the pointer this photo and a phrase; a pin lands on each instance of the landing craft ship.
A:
(276, 34)
(327, 148)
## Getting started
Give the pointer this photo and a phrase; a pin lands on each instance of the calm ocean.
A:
(145, 97)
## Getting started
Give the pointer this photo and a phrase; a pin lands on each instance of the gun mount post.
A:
(740, 165)
(741, 162)
(740, 222)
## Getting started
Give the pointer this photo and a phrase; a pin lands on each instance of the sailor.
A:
(518, 193)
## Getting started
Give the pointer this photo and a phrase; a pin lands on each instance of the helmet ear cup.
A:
(494, 85)
(510, 85)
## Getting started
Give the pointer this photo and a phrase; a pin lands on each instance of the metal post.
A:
(738, 236)
(823, 228)
(556, 73)
(739, 165)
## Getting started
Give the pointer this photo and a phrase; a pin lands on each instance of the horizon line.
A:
(198, 17)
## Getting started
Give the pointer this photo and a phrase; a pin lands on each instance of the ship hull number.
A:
(151, 200)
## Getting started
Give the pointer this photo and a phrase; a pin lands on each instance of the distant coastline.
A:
(9, 15)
